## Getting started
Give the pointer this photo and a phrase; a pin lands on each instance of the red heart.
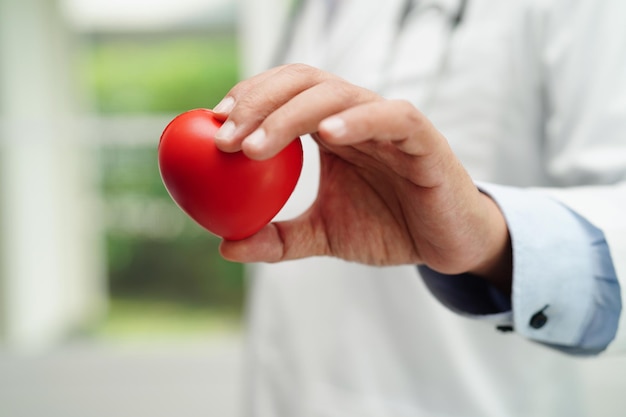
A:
(228, 194)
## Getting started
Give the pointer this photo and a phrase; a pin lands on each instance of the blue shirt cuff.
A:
(565, 289)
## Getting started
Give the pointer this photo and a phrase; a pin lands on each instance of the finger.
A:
(225, 106)
(251, 101)
(280, 241)
(395, 121)
(302, 114)
(222, 110)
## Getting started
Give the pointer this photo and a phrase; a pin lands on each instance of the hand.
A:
(391, 189)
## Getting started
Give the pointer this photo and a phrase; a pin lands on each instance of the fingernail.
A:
(334, 125)
(256, 139)
(226, 132)
(225, 106)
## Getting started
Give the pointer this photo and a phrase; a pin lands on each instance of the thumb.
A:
(279, 241)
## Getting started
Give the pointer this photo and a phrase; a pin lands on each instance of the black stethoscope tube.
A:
(409, 6)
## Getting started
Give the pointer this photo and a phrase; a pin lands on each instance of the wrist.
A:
(494, 262)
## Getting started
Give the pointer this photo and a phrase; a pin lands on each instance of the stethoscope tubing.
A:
(409, 5)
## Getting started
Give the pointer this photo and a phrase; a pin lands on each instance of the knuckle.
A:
(283, 122)
(253, 99)
(303, 74)
(239, 89)
(342, 91)
(253, 107)
(299, 70)
(410, 112)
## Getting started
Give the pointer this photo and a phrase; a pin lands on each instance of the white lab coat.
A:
(530, 94)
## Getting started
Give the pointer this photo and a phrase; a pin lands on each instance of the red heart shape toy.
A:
(228, 194)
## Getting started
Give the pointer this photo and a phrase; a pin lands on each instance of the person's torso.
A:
(329, 338)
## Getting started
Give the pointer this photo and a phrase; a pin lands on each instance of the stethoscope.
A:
(411, 5)
(410, 9)
(413, 9)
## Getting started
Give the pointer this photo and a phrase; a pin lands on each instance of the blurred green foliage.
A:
(130, 169)
(186, 270)
(161, 74)
(147, 261)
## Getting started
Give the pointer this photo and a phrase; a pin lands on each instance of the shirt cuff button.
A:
(539, 319)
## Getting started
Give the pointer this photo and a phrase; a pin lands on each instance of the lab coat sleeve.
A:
(583, 57)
